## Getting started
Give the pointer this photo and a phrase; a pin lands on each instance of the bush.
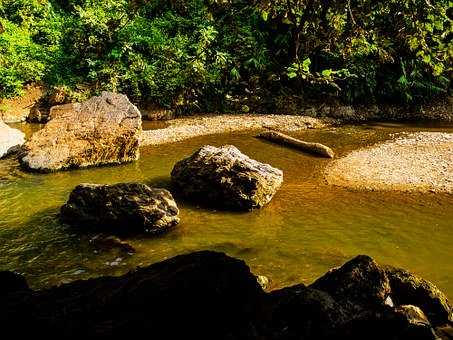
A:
(209, 55)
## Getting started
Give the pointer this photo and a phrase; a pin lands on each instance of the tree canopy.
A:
(210, 55)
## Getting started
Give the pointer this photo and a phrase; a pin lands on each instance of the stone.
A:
(102, 130)
(301, 312)
(120, 208)
(402, 323)
(357, 285)
(12, 282)
(111, 243)
(203, 295)
(38, 114)
(409, 289)
(263, 281)
(209, 295)
(10, 139)
(158, 114)
(346, 113)
(224, 177)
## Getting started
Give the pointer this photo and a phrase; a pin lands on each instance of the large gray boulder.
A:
(122, 208)
(225, 177)
(10, 139)
(102, 130)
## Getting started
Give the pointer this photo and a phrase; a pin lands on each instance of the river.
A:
(308, 228)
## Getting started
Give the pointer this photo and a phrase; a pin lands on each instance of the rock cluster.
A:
(227, 178)
(121, 208)
(208, 295)
(10, 139)
(103, 130)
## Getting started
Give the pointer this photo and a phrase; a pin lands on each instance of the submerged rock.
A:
(120, 208)
(408, 288)
(10, 139)
(111, 243)
(102, 130)
(357, 285)
(226, 177)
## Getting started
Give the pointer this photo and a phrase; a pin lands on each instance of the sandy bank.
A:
(420, 161)
(184, 128)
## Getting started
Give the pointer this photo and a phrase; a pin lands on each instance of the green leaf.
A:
(306, 65)
(326, 73)
(292, 75)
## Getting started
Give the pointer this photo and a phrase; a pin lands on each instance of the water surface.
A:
(308, 228)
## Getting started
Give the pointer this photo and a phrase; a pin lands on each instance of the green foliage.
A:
(369, 43)
(212, 55)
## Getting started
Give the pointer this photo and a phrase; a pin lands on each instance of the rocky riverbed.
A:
(420, 161)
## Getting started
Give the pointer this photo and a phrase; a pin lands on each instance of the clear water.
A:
(308, 228)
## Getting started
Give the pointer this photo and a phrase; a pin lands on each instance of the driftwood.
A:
(280, 138)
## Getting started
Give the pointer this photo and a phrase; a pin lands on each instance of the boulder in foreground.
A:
(120, 208)
(10, 139)
(102, 130)
(359, 284)
(227, 178)
(209, 295)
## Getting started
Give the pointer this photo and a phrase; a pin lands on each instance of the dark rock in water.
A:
(120, 208)
(109, 243)
(11, 282)
(203, 295)
(408, 288)
(225, 177)
(300, 312)
(359, 284)
(10, 139)
(102, 130)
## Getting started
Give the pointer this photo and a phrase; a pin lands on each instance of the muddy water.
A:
(308, 228)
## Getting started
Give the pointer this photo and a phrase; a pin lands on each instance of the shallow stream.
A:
(308, 228)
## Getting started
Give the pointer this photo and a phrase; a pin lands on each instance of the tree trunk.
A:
(282, 139)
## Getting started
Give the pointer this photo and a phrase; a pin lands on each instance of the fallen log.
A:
(282, 139)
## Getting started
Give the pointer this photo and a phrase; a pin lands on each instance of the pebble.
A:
(420, 161)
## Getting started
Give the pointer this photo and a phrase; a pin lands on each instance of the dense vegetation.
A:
(229, 54)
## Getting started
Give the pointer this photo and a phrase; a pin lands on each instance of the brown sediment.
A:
(420, 161)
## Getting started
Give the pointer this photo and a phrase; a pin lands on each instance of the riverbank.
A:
(412, 162)
(184, 128)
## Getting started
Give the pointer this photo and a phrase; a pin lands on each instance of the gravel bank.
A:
(420, 161)
(184, 128)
